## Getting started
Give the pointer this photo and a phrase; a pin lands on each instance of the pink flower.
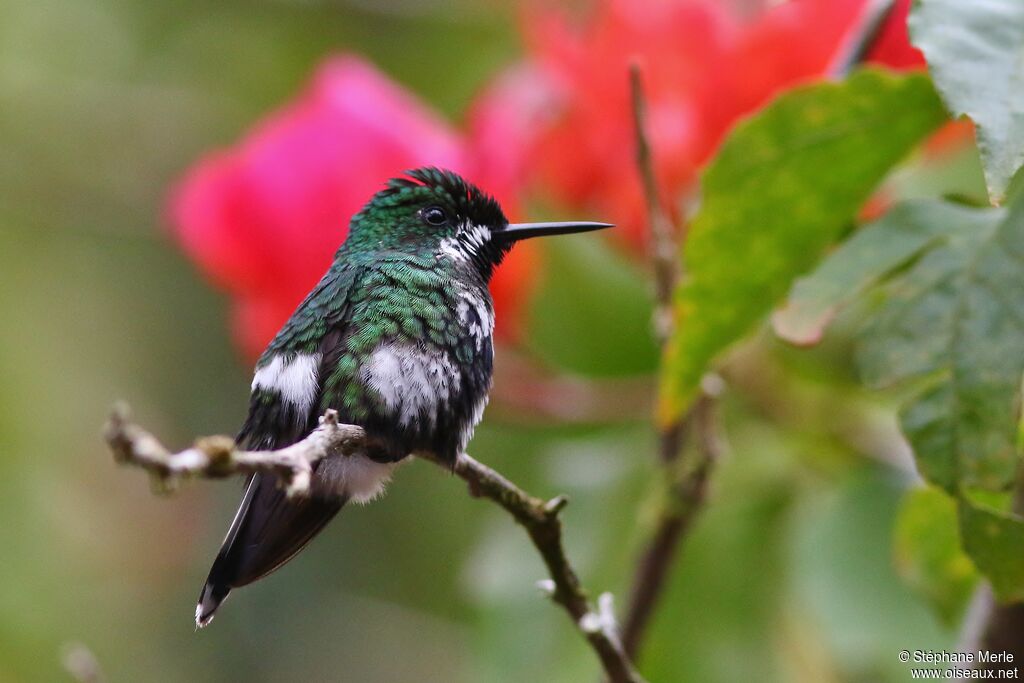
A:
(263, 219)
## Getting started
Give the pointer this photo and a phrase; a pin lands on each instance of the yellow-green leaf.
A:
(928, 554)
(780, 191)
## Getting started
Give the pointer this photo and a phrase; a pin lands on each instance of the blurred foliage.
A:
(945, 280)
(592, 288)
(968, 418)
(788, 575)
(922, 254)
(871, 254)
(993, 538)
(929, 554)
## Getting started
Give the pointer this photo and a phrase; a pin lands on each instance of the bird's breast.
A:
(414, 382)
(426, 377)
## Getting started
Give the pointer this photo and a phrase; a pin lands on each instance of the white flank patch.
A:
(414, 383)
(295, 379)
(467, 242)
(355, 476)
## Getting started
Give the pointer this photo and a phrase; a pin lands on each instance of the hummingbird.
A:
(397, 338)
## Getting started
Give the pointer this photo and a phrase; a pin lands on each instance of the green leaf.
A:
(781, 189)
(958, 313)
(994, 539)
(863, 260)
(910, 334)
(974, 52)
(928, 555)
(932, 435)
(947, 285)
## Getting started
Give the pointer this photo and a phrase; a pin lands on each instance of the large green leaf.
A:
(948, 307)
(925, 422)
(911, 333)
(958, 313)
(975, 51)
(782, 188)
(866, 258)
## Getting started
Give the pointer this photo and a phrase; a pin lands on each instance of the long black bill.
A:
(521, 231)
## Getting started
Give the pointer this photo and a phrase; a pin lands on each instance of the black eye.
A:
(435, 215)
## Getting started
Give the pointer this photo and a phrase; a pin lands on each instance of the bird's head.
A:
(433, 211)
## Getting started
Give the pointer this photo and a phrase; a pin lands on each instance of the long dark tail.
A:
(268, 530)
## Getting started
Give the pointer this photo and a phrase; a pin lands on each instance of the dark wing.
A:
(269, 529)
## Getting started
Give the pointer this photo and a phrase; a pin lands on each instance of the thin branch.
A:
(1002, 633)
(664, 252)
(540, 519)
(977, 620)
(685, 482)
(217, 457)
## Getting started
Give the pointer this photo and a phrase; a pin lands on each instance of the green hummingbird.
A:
(396, 337)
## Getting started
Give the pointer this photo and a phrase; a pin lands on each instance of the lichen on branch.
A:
(216, 457)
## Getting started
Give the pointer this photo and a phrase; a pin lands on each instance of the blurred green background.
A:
(103, 103)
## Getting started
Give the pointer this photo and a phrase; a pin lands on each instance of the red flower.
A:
(704, 67)
(892, 47)
(264, 218)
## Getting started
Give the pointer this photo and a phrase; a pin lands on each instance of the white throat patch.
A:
(467, 242)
